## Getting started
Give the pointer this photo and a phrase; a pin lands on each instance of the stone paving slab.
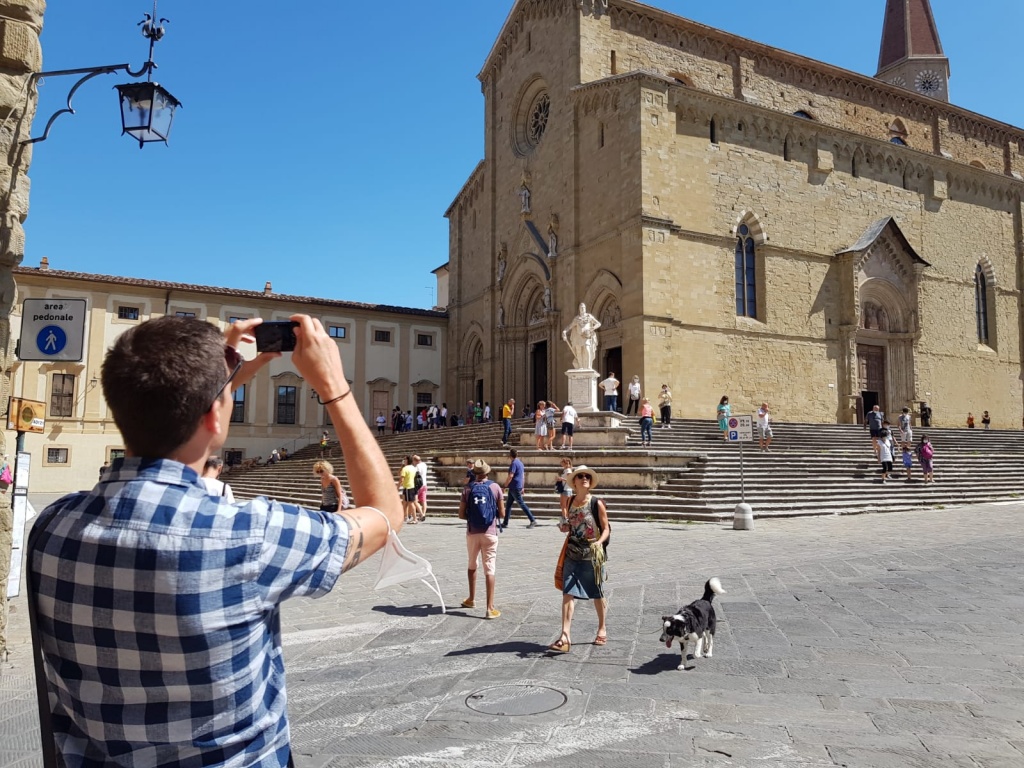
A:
(861, 641)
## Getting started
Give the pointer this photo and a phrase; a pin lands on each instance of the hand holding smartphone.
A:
(277, 336)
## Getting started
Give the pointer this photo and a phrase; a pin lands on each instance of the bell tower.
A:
(911, 56)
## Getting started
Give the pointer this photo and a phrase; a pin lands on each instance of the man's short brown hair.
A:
(159, 379)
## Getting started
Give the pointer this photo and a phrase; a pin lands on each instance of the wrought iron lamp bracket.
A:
(89, 73)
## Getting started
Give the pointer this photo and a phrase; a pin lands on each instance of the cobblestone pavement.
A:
(880, 640)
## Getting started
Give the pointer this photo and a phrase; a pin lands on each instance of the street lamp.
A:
(147, 108)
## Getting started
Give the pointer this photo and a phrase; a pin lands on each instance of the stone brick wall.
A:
(20, 54)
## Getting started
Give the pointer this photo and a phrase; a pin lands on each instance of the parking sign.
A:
(741, 429)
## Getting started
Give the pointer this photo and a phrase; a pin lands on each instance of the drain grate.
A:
(516, 700)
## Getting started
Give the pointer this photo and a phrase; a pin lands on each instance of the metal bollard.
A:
(743, 518)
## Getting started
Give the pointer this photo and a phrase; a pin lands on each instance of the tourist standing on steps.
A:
(550, 411)
(508, 412)
(196, 584)
(723, 412)
(569, 417)
(421, 485)
(481, 506)
(633, 394)
(407, 487)
(970, 420)
(514, 484)
(986, 420)
(646, 422)
(381, 423)
(665, 406)
(323, 445)
(611, 392)
(211, 479)
(540, 426)
(873, 423)
(764, 426)
(906, 431)
(332, 494)
(563, 486)
(582, 574)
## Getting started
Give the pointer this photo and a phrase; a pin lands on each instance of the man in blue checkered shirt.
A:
(159, 606)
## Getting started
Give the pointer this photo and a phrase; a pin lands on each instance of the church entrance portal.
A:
(613, 364)
(871, 376)
(539, 372)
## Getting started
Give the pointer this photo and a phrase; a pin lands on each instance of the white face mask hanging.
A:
(398, 565)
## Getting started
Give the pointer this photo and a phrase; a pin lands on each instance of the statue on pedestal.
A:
(581, 336)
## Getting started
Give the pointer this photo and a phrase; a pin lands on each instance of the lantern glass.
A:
(147, 111)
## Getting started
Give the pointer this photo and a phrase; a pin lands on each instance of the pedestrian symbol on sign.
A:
(51, 340)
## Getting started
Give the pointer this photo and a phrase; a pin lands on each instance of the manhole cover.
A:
(516, 700)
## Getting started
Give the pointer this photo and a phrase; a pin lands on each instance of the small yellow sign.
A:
(26, 415)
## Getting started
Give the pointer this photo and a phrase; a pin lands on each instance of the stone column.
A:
(21, 21)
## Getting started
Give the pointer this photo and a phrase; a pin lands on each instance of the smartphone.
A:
(275, 336)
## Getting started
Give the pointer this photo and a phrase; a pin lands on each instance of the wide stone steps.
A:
(690, 473)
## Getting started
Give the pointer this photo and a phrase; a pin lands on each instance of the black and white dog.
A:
(694, 626)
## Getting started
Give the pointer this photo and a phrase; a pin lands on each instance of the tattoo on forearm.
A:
(355, 545)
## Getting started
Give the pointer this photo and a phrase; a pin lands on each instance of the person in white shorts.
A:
(906, 432)
(764, 426)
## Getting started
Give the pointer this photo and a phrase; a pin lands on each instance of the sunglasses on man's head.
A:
(233, 359)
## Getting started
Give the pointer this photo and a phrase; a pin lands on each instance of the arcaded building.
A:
(742, 220)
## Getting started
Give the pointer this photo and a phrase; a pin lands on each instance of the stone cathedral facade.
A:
(742, 220)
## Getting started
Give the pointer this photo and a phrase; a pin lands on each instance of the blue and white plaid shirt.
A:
(160, 622)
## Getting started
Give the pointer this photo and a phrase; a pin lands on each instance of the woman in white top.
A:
(634, 396)
(216, 487)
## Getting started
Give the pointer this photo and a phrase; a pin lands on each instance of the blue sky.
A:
(318, 148)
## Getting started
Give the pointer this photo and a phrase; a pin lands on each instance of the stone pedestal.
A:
(583, 389)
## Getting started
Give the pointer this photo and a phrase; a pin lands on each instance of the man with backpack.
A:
(481, 506)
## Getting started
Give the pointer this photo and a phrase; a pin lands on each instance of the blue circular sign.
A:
(51, 340)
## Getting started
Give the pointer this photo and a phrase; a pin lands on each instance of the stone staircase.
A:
(690, 473)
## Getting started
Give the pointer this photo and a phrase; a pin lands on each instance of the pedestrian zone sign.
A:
(741, 429)
(52, 329)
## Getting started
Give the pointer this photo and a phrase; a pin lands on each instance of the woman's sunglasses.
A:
(588, 478)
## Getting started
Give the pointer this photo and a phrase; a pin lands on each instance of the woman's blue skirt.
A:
(578, 580)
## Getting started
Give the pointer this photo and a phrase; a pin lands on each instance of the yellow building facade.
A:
(393, 356)
(742, 220)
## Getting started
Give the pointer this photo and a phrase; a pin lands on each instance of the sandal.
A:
(601, 640)
(562, 646)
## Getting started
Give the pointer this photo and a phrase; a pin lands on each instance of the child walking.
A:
(885, 450)
(908, 461)
(925, 453)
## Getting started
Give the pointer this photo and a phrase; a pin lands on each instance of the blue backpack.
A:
(481, 507)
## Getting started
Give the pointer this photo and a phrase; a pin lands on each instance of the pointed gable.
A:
(909, 31)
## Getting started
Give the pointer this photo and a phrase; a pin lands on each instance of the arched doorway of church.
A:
(613, 364)
(539, 372)
(885, 351)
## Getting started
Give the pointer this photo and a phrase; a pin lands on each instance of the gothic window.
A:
(746, 274)
(981, 305)
(714, 132)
